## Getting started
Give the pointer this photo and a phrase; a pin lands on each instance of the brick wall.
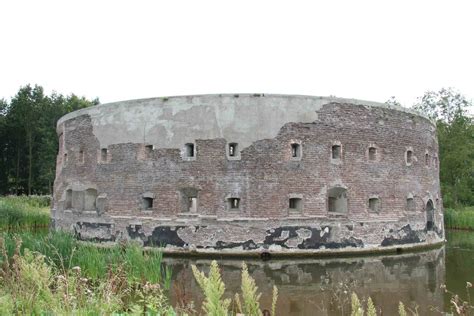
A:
(266, 175)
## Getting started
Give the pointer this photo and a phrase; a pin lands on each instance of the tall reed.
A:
(459, 219)
(64, 252)
(20, 212)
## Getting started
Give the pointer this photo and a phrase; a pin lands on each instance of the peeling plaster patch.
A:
(324, 231)
(304, 233)
(247, 245)
(284, 235)
(100, 232)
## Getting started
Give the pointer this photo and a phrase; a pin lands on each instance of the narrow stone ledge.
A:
(243, 219)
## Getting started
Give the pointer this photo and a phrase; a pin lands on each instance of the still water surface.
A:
(323, 286)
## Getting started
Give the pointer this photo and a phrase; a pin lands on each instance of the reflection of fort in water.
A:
(319, 287)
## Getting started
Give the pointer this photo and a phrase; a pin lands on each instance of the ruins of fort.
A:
(250, 174)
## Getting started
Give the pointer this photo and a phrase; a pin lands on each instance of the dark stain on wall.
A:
(315, 241)
(247, 245)
(160, 237)
(410, 236)
(165, 235)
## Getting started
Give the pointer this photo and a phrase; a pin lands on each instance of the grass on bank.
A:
(24, 212)
(459, 219)
(32, 285)
(63, 252)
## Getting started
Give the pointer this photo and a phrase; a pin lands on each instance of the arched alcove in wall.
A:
(337, 200)
(429, 215)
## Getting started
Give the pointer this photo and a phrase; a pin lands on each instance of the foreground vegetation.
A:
(31, 283)
(63, 252)
(462, 218)
(53, 273)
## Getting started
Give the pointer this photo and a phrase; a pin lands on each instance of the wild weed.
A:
(213, 288)
(216, 305)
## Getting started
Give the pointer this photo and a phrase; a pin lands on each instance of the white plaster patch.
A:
(175, 121)
(324, 231)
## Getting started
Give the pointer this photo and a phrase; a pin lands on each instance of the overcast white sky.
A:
(118, 50)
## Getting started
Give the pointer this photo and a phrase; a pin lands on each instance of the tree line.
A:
(28, 139)
(454, 125)
(29, 143)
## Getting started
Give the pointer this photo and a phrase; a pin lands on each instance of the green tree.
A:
(393, 101)
(455, 130)
(28, 139)
(3, 152)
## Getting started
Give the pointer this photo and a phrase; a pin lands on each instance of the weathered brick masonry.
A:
(249, 173)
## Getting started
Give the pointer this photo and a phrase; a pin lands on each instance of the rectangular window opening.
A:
(147, 203)
(103, 154)
(189, 150)
(410, 204)
(374, 205)
(295, 150)
(295, 204)
(336, 152)
(337, 200)
(81, 156)
(409, 156)
(189, 200)
(149, 149)
(427, 160)
(372, 153)
(232, 149)
(192, 204)
(68, 199)
(234, 203)
(331, 204)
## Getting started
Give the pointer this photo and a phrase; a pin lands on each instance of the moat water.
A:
(323, 286)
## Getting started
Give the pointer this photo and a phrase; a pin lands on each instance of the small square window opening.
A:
(372, 153)
(295, 204)
(409, 156)
(103, 154)
(189, 150)
(295, 150)
(232, 149)
(336, 152)
(234, 203)
(147, 203)
(374, 205)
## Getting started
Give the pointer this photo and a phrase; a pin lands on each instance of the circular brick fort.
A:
(250, 174)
